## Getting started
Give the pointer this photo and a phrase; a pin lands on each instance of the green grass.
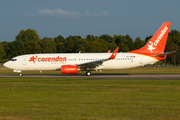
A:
(89, 99)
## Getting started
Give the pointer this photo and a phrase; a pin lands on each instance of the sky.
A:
(51, 18)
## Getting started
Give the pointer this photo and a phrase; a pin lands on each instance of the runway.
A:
(101, 76)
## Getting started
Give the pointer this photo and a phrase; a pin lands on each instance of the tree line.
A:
(29, 42)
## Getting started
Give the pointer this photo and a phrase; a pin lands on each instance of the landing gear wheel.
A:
(88, 73)
(20, 74)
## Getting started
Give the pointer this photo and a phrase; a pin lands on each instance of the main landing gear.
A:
(21, 74)
(88, 73)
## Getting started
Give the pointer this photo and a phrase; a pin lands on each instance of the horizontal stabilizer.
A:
(164, 54)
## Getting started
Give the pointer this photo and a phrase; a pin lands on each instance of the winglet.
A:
(109, 51)
(114, 53)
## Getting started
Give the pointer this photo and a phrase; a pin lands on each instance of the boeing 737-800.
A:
(72, 63)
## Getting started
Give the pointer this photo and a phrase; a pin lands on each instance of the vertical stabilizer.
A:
(157, 43)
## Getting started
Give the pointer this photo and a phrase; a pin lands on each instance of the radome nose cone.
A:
(6, 64)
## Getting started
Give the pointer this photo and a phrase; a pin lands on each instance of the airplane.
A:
(72, 63)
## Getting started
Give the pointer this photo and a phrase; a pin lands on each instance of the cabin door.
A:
(24, 61)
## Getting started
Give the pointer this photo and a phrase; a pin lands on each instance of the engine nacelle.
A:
(69, 69)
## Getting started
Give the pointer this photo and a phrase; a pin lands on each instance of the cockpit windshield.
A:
(13, 60)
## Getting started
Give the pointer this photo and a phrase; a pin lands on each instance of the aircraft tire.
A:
(88, 73)
(20, 74)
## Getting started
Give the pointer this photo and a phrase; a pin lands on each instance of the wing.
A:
(95, 64)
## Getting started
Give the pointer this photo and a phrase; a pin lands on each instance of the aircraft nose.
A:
(6, 64)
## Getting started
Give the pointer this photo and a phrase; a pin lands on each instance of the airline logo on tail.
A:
(150, 45)
(157, 43)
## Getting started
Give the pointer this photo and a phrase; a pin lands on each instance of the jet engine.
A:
(69, 69)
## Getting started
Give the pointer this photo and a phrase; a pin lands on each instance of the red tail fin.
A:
(157, 43)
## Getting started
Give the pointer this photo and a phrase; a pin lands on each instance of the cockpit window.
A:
(13, 59)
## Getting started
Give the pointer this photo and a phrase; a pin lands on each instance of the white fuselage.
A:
(41, 62)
